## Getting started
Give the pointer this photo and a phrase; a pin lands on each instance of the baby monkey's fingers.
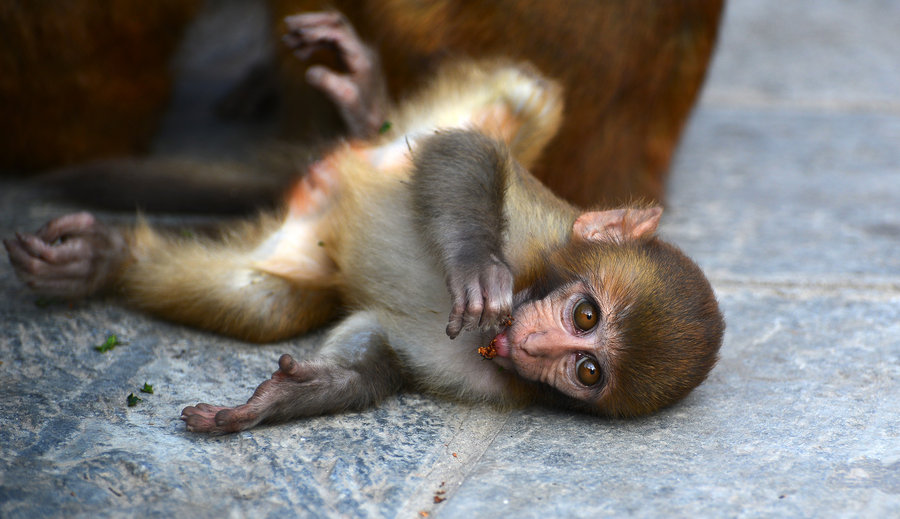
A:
(69, 225)
(299, 22)
(480, 298)
(497, 286)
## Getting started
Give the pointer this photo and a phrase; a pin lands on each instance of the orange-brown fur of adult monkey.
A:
(631, 73)
(81, 79)
(437, 216)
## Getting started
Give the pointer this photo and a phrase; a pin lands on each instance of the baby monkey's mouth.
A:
(499, 346)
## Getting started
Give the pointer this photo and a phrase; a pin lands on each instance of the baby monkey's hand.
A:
(481, 295)
(71, 256)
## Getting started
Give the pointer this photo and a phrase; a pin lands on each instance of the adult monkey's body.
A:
(81, 88)
(606, 317)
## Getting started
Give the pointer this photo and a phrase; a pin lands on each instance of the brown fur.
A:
(631, 73)
(205, 272)
(668, 325)
(81, 79)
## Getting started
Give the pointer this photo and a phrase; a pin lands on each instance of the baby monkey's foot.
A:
(273, 399)
(71, 256)
(359, 89)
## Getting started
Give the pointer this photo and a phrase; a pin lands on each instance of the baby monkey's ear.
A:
(616, 224)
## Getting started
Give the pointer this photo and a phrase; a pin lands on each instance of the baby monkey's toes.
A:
(213, 419)
(201, 418)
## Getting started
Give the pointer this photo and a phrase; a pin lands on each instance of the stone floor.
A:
(786, 189)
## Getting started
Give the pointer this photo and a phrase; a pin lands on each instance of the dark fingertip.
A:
(450, 332)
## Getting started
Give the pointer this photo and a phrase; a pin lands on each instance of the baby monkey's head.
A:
(618, 322)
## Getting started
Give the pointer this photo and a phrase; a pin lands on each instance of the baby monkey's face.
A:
(620, 329)
(566, 339)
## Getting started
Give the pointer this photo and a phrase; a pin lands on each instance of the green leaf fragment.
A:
(147, 388)
(385, 127)
(132, 400)
(111, 342)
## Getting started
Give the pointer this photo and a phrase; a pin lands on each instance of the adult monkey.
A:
(631, 72)
(605, 317)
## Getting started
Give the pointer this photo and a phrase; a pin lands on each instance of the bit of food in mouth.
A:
(489, 351)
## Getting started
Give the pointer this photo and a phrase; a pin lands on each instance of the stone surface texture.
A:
(786, 189)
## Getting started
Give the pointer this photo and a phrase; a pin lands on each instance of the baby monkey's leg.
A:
(261, 281)
(355, 370)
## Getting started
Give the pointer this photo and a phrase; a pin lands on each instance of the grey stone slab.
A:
(804, 405)
(781, 194)
(801, 418)
(828, 54)
(72, 447)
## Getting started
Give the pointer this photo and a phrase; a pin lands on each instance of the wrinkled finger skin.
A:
(480, 297)
(359, 91)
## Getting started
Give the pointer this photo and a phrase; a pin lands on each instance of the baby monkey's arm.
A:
(458, 185)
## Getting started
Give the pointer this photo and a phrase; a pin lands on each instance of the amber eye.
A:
(585, 316)
(587, 370)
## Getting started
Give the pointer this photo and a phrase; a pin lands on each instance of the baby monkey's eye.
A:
(587, 371)
(585, 316)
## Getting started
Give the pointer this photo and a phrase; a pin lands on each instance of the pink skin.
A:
(501, 342)
(360, 92)
(71, 256)
(542, 344)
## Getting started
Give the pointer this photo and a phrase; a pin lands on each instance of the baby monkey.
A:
(586, 310)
